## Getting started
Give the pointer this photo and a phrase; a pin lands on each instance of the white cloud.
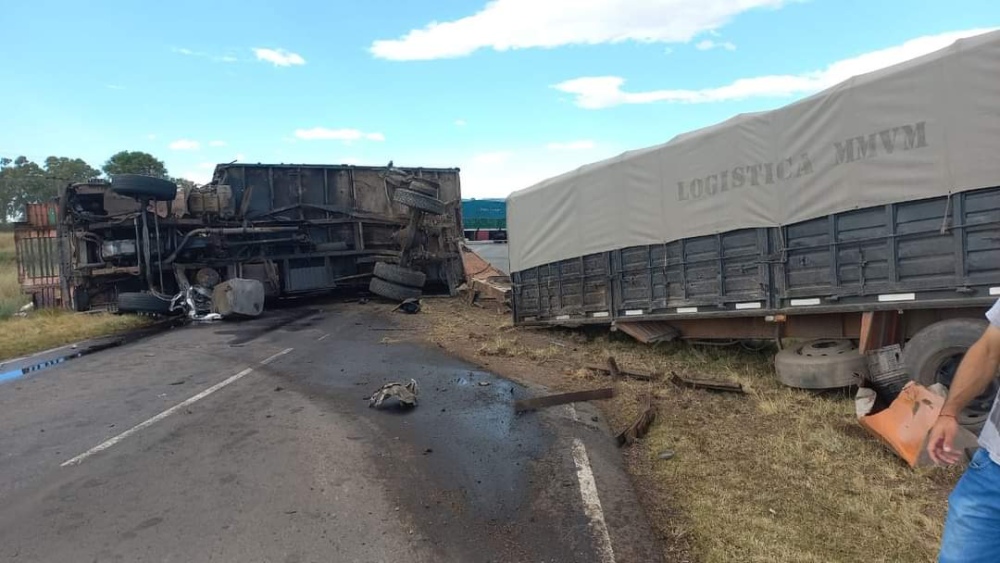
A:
(581, 145)
(520, 24)
(151, 136)
(114, 87)
(184, 145)
(460, 123)
(240, 157)
(708, 44)
(347, 135)
(226, 59)
(183, 51)
(278, 57)
(216, 143)
(595, 92)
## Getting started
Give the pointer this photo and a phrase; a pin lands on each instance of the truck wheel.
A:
(142, 303)
(400, 275)
(821, 364)
(143, 187)
(392, 291)
(933, 354)
(419, 201)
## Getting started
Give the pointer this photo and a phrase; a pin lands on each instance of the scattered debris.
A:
(648, 332)
(708, 384)
(864, 402)
(484, 383)
(563, 398)
(904, 425)
(666, 454)
(23, 311)
(886, 372)
(428, 451)
(278, 389)
(411, 306)
(178, 382)
(405, 394)
(615, 371)
(640, 427)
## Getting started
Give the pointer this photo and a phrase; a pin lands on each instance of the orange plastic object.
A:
(905, 424)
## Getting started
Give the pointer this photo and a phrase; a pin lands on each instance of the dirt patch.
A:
(776, 475)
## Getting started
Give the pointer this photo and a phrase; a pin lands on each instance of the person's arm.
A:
(978, 368)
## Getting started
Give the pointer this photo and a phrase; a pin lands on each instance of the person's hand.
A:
(941, 441)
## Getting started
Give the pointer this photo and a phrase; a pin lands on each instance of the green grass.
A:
(11, 298)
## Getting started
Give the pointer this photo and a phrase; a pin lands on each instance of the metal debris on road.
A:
(640, 427)
(484, 383)
(411, 306)
(708, 384)
(666, 454)
(563, 398)
(406, 394)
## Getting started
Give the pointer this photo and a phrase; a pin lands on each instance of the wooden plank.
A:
(639, 428)
(563, 398)
(624, 372)
(867, 323)
(711, 385)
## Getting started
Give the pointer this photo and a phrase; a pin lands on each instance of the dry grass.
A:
(50, 328)
(776, 475)
(44, 329)
(11, 298)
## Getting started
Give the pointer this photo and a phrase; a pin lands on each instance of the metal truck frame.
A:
(139, 243)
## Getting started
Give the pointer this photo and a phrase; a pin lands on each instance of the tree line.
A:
(23, 181)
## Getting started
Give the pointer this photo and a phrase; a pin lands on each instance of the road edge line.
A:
(592, 502)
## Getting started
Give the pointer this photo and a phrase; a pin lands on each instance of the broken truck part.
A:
(838, 218)
(140, 244)
(405, 394)
(563, 398)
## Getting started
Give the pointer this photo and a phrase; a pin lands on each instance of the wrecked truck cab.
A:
(137, 242)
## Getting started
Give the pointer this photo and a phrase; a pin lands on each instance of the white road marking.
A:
(322, 337)
(105, 445)
(591, 502)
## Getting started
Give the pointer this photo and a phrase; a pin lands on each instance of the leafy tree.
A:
(21, 181)
(135, 162)
(62, 170)
(184, 183)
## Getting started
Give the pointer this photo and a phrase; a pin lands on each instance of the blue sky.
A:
(511, 91)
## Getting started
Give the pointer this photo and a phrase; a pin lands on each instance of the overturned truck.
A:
(137, 243)
(863, 217)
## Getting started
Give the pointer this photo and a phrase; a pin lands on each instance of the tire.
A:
(392, 291)
(821, 364)
(934, 353)
(143, 187)
(400, 275)
(419, 201)
(142, 303)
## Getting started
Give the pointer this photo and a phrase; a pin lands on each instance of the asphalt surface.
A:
(494, 253)
(252, 441)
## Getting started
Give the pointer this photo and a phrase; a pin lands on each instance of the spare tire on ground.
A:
(933, 354)
(143, 187)
(142, 303)
(419, 201)
(392, 291)
(400, 275)
(821, 364)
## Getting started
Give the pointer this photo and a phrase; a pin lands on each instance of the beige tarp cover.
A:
(923, 128)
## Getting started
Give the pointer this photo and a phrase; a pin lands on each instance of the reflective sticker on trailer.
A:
(750, 305)
(686, 310)
(601, 315)
(995, 291)
(891, 297)
(633, 312)
(805, 302)
(562, 318)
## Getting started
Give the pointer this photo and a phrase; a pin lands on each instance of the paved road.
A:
(251, 442)
(492, 252)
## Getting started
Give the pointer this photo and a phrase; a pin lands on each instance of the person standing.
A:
(972, 527)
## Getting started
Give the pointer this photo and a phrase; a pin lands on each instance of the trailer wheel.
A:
(142, 303)
(392, 291)
(821, 364)
(143, 187)
(419, 201)
(400, 275)
(933, 354)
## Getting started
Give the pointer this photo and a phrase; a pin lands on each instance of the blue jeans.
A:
(972, 530)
